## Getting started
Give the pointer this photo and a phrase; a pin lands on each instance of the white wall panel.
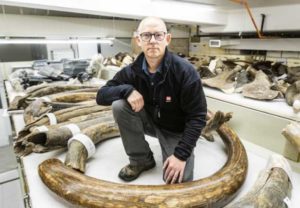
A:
(285, 17)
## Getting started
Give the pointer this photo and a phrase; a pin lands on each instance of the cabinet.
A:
(259, 122)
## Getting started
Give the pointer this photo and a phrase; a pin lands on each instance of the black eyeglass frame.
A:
(155, 34)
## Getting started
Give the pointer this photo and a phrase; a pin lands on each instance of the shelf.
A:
(277, 107)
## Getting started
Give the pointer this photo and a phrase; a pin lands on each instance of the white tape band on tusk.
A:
(87, 143)
(73, 128)
(46, 99)
(42, 128)
(288, 202)
(52, 118)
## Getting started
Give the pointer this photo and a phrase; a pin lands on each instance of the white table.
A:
(110, 157)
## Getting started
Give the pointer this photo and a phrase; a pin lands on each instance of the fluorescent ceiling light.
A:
(204, 3)
(56, 41)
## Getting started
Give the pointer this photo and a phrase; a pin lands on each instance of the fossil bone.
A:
(271, 188)
(77, 153)
(292, 133)
(260, 88)
(292, 96)
(223, 81)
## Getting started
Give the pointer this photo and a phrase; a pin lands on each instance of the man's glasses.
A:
(146, 36)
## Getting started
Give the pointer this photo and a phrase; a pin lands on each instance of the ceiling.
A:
(219, 4)
(227, 4)
(4, 9)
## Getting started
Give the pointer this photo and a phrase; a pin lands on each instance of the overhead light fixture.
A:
(201, 2)
(55, 41)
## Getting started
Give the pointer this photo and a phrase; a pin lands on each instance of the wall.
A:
(284, 17)
(273, 44)
(120, 45)
(180, 45)
(51, 27)
(45, 26)
(278, 18)
(28, 52)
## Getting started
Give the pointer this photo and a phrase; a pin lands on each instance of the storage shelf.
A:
(277, 107)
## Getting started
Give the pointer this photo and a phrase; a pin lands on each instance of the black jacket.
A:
(177, 103)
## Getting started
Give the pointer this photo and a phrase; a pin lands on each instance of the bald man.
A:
(160, 95)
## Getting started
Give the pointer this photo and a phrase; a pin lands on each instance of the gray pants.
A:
(133, 127)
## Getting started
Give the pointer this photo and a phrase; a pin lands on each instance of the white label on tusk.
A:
(73, 128)
(288, 202)
(46, 99)
(52, 118)
(42, 128)
(87, 143)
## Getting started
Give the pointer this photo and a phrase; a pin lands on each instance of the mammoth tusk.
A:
(77, 153)
(272, 187)
(214, 191)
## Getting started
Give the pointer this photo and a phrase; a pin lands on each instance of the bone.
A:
(292, 96)
(214, 123)
(271, 189)
(224, 81)
(260, 88)
(292, 133)
(77, 154)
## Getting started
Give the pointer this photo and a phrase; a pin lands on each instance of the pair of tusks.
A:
(214, 191)
(41, 105)
(62, 116)
(21, 102)
(47, 138)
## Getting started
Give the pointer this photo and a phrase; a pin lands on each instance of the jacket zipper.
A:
(154, 95)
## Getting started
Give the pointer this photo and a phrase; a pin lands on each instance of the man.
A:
(160, 95)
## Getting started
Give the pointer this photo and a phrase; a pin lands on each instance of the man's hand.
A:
(174, 169)
(136, 101)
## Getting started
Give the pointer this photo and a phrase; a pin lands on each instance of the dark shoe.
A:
(131, 172)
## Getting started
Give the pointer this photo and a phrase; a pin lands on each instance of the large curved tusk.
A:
(214, 191)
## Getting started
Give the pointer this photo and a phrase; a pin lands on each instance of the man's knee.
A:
(119, 106)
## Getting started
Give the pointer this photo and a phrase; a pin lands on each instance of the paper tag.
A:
(86, 141)
(288, 202)
(52, 118)
(73, 128)
(41, 128)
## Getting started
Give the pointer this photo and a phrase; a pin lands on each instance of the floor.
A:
(110, 157)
